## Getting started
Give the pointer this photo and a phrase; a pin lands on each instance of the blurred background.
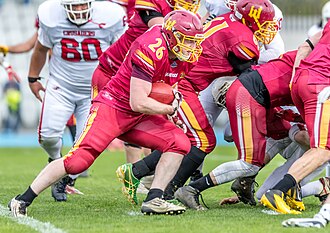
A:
(17, 24)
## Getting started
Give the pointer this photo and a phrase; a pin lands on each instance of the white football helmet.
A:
(78, 17)
(325, 13)
(220, 88)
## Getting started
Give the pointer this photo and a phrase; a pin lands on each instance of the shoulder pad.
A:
(51, 13)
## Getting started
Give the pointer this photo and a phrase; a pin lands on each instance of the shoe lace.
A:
(202, 199)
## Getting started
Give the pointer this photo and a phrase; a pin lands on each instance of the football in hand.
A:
(162, 92)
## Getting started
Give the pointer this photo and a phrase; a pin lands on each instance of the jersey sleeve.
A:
(245, 50)
(147, 5)
(272, 50)
(143, 59)
(216, 7)
(43, 36)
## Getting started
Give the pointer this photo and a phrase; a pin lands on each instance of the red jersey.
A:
(276, 75)
(149, 54)
(223, 35)
(113, 57)
(318, 60)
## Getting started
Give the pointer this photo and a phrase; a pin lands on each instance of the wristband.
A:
(310, 43)
(33, 80)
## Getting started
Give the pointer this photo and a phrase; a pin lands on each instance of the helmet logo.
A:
(255, 13)
(170, 24)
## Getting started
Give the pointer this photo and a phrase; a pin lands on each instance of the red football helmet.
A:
(259, 16)
(190, 5)
(183, 31)
(230, 4)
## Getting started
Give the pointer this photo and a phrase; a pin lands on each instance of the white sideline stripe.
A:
(43, 227)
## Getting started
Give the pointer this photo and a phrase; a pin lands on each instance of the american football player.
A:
(124, 109)
(224, 53)
(310, 93)
(77, 31)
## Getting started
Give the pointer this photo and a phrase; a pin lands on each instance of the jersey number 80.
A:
(70, 49)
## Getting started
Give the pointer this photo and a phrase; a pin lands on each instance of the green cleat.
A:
(129, 181)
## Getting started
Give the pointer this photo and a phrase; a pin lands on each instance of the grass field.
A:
(104, 209)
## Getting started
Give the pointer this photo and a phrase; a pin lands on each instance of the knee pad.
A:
(52, 146)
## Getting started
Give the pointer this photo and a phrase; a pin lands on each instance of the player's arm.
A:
(38, 60)
(140, 88)
(23, 47)
(305, 49)
(150, 17)
(242, 56)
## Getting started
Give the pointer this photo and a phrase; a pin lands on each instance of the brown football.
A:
(162, 92)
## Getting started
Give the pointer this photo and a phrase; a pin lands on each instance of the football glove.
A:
(4, 49)
(176, 102)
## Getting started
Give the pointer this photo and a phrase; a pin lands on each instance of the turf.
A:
(103, 208)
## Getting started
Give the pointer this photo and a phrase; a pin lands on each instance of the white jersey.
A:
(75, 49)
(216, 7)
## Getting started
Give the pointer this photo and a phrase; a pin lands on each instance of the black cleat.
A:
(244, 189)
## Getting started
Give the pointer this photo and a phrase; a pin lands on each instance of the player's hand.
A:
(289, 115)
(324, 95)
(229, 201)
(4, 49)
(36, 87)
(12, 74)
(179, 123)
(176, 102)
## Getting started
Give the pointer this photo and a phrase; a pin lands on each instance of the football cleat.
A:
(130, 182)
(58, 189)
(18, 207)
(318, 221)
(275, 200)
(160, 206)
(189, 196)
(325, 181)
(294, 199)
(244, 189)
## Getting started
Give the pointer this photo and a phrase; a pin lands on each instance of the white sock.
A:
(311, 188)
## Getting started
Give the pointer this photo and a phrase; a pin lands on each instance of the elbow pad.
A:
(239, 65)
(147, 15)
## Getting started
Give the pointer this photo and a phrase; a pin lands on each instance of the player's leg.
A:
(316, 117)
(249, 140)
(57, 108)
(94, 139)
(169, 139)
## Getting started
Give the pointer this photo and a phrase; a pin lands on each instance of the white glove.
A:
(318, 221)
(176, 102)
(324, 95)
